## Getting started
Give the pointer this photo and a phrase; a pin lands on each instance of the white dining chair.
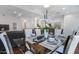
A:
(6, 42)
(28, 49)
(73, 44)
(38, 32)
(57, 32)
(28, 32)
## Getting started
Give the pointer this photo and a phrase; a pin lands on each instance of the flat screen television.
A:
(5, 26)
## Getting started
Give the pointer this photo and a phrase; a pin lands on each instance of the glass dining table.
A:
(49, 43)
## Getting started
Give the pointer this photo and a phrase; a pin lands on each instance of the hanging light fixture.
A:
(46, 11)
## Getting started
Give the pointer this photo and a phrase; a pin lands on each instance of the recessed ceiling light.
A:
(14, 12)
(20, 14)
(46, 6)
(63, 8)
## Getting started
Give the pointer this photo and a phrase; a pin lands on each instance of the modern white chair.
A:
(28, 32)
(6, 42)
(38, 32)
(57, 32)
(73, 44)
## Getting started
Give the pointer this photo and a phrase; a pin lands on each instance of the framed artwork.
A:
(4, 27)
(14, 26)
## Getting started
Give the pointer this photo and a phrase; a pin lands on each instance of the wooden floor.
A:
(38, 49)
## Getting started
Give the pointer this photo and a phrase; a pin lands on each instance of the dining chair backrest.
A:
(17, 39)
(51, 31)
(38, 32)
(6, 42)
(15, 34)
(28, 32)
(2, 47)
(68, 40)
(34, 31)
(57, 32)
(12, 35)
(73, 44)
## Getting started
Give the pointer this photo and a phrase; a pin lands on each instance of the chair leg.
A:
(59, 52)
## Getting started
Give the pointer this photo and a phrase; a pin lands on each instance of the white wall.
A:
(30, 22)
(71, 22)
(9, 20)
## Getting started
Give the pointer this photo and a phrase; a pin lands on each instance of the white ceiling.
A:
(6, 10)
(54, 11)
